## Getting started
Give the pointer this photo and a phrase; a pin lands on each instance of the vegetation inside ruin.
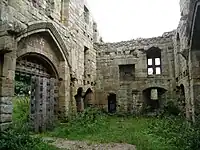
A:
(147, 133)
(18, 136)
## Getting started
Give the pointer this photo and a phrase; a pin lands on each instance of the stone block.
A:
(6, 109)
(4, 126)
(4, 118)
(7, 87)
(6, 100)
(7, 43)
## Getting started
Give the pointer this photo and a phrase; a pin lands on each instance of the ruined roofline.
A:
(164, 35)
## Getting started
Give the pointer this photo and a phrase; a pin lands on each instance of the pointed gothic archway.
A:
(42, 58)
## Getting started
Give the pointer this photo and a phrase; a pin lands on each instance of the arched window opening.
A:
(154, 61)
(153, 98)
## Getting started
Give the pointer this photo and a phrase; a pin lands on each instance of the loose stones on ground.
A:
(82, 145)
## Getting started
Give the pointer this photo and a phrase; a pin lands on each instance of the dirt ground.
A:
(65, 144)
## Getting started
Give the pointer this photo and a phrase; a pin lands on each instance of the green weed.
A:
(21, 109)
(18, 136)
(147, 133)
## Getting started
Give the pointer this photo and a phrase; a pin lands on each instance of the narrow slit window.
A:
(86, 15)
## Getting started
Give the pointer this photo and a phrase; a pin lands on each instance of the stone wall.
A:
(65, 23)
(187, 59)
(184, 7)
(111, 55)
(82, 52)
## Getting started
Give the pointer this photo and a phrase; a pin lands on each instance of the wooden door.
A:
(43, 103)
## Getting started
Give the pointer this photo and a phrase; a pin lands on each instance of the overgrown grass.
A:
(18, 137)
(155, 133)
(21, 109)
(145, 133)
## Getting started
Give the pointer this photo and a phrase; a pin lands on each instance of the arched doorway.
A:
(153, 98)
(43, 39)
(41, 77)
(79, 100)
(89, 98)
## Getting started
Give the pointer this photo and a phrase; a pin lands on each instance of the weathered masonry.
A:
(187, 50)
(48, 43)
(151, 72)
(139, 72)
(55, 46)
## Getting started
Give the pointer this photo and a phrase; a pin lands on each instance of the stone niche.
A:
(154, 98)
(127, 72)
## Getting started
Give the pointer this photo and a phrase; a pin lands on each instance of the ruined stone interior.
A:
(57, 46)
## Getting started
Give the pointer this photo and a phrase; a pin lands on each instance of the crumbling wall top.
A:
(148, 42)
